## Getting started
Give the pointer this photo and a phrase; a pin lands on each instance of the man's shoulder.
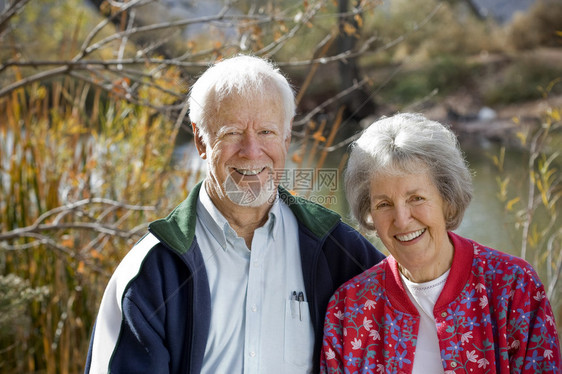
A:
(134, 258)
(316, 218)
(177, 230)
(151, 263)
(131, 265)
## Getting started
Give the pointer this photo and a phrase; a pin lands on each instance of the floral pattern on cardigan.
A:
(492, 317)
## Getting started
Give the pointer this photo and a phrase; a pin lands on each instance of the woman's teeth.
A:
(410, 236)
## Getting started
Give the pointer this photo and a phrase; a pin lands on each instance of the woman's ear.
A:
(448, 213)
(199, 143)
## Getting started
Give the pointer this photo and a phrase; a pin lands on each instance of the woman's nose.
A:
(402, 216)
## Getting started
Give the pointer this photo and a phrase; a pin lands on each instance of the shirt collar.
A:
(273, 223)
(218, 225)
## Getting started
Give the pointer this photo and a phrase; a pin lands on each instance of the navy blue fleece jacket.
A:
(154, 315)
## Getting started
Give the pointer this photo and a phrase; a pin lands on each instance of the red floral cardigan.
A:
(492, 317)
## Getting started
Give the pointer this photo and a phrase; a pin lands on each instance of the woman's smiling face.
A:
(408, 213)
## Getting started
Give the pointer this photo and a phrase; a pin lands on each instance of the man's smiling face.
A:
(247, 143)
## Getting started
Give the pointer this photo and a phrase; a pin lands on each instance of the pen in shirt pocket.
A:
(301, 299)
(293, 304)
(297, 298)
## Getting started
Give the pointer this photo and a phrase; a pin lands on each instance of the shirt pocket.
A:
(299, 334)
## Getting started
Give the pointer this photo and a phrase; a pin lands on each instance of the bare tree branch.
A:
(96, 30)
(51, 243)
(121, 77)
(14, 7)
(34, 78)
(60, 212)
(554, 278)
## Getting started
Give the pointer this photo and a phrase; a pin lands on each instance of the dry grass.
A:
(55, 152)
(540, 26)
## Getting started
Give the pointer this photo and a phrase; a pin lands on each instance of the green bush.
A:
(523, 80)
(446, 74)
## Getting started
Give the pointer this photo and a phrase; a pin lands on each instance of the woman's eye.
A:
(381, 205)
(417, 198)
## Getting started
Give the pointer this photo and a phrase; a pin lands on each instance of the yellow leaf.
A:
(502, 184)
(534, 236)
(359, 20)
(67, 242)
(544, 199)
(297, 158)
(349, 29)
(511, 203)
(92, 163)
(95, 254)
(80, 268)
(522, 137)
(318, 136)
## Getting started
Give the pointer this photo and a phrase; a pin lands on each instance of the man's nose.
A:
(250, 146)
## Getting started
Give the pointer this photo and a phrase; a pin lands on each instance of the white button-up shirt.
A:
(257, 324)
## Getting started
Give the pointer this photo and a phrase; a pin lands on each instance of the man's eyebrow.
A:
(225, 129)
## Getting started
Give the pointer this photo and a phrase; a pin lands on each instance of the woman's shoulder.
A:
(368, 282)
(495, 262)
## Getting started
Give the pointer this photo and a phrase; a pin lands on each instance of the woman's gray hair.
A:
(397, 145)
(241, 75)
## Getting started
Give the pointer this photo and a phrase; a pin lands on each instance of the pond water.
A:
(486, 219)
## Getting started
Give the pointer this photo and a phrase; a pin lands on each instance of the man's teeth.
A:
(410, 236)
(249, 171)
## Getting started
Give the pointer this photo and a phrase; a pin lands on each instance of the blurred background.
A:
(95, 138)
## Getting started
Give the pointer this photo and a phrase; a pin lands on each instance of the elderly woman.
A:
(439, 303)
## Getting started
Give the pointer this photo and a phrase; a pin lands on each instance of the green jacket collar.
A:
(177, 230)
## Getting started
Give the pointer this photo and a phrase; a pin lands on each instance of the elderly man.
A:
(237, 278)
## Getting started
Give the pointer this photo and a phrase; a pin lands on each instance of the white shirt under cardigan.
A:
(256, 325)
(424, 296)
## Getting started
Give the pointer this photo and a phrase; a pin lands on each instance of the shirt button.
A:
(254, 308)
(443, 314)
(252, 354)
(453, 364)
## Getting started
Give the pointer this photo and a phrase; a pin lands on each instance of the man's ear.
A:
(288, 138)
(199, 143)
